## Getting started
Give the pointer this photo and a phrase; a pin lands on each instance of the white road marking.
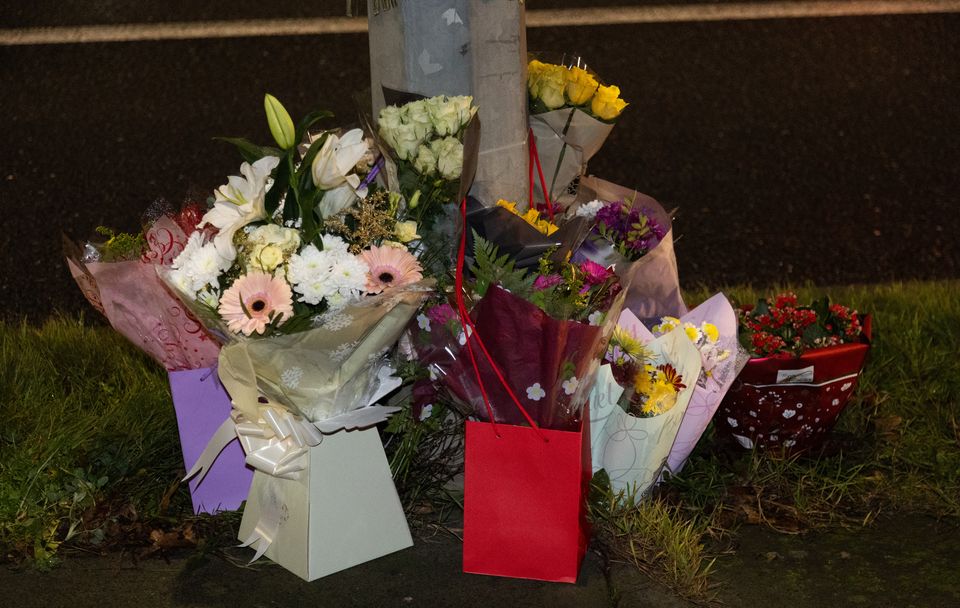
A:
(535, 18)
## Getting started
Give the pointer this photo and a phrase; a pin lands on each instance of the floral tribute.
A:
(781, 326)
(302, 232)
(426, 138)
(633, 230)
(553, 87)
(804, 366)
(558, 317)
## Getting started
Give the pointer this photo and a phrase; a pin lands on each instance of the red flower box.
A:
(791, 403)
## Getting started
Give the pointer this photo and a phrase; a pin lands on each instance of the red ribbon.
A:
(535, 160)
(470, 332)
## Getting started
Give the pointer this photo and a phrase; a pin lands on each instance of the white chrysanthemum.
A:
(589, 210)
(349, 275)
(309, 273)
(198, 265)
(333, 244)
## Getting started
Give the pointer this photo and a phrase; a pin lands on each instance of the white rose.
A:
(426, 161)
(406, 142)
(463, 105)
(415, 113)
(265, 257)
(443, 115)
(286, 239)
(449, 153)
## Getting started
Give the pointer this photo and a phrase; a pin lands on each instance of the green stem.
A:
(563, 151)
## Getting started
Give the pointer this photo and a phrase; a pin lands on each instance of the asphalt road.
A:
(820, 150)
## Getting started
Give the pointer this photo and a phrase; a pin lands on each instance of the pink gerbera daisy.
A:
(390, 267)
(253, 301)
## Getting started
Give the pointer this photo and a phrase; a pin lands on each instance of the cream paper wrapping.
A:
(323, 372)
(564, 156)
(653, 282)
(632, 450)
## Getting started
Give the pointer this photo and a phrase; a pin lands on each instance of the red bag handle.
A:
(470, 332)
(535, 160)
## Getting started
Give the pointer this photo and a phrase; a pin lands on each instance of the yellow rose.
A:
(580, 86)
(406, 231)
(266, 257)
(548, 86)
(606, 104)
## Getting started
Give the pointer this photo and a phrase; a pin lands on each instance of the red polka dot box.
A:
(785, 402)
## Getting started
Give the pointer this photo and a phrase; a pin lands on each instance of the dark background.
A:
(822, 150)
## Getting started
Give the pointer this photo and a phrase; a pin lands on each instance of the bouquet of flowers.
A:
(525, 236)
(558, 319)
(712, 327)
(805, 362)
(307, 304)
(119, 277)
(571, 115)
(639, 402)
(634, 234)
(430, 141)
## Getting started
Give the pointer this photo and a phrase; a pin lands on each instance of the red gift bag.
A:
(525, 491)
(791, 403)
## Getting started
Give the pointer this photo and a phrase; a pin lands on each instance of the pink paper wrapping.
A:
(140, 307)
(652, 282)
(710, 389)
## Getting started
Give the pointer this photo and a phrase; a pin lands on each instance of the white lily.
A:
(239, 202)
(333, 171)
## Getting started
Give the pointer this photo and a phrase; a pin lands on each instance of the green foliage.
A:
(491, 268)
(120, 246)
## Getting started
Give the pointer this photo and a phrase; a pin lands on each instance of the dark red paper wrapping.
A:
(529, 347)
(791, 403)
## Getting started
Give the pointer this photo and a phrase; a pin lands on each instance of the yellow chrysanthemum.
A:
(692, 332)
(666, 325)
(628, 343)
(710, 330)
(531, 216)
(661, 396)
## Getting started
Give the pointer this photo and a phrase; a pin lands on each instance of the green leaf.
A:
(309, 120)
(281, 125)
(281, 180)
(250, 151)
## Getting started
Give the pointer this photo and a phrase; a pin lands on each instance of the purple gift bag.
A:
(202, 405)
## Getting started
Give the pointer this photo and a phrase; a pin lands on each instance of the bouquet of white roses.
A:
(428, 140)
